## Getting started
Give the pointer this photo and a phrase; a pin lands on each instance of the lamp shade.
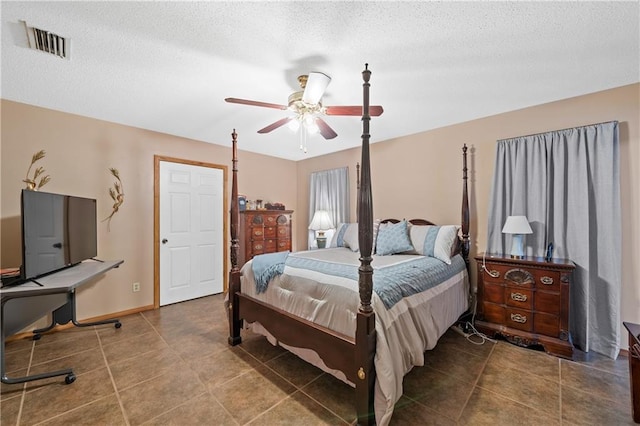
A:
(517, 225)
(321, 221)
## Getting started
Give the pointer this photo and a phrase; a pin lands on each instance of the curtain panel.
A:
(329, 190)
(567, 183)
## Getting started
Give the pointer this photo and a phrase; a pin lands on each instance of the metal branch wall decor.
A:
(117, 195)
(32, 183)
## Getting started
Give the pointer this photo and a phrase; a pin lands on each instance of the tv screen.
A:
(57, 231)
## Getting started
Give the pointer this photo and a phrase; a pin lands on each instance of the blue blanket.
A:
(267, 266)
(393, 282)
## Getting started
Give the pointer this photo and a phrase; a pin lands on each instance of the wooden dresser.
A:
(526, 301)
(264, 231)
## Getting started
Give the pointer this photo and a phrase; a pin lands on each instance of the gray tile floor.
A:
(173, 366)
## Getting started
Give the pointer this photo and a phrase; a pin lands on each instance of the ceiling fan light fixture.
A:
(316, 84)
(294, 124)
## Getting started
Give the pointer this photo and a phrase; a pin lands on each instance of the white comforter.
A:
(404, 331)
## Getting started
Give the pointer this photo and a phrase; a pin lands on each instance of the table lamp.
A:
(517, 226)
(321, 222)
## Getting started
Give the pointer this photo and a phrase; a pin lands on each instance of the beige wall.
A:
(419, 176)
(412, 176)
(80, 151)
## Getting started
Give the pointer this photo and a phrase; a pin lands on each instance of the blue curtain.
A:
(567, 183)
(329, 190)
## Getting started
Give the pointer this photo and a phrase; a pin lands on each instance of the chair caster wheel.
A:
(37, 336)
(70, 378)
(118, 325)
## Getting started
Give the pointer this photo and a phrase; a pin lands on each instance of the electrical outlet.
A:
(136, 287)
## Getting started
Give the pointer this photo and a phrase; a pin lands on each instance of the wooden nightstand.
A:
(634, 368)
(526, 301)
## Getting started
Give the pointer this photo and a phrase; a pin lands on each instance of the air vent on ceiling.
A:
(48, 42)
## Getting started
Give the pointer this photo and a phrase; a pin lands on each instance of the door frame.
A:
(156, 220)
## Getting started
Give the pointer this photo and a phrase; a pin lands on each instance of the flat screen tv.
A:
(58, 231)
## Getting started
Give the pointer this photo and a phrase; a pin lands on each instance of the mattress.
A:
(328, 295)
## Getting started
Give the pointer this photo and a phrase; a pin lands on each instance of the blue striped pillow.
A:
(393, 239)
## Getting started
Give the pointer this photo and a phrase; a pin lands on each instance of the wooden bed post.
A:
(366, 319)
(465, 208)
(234, 274)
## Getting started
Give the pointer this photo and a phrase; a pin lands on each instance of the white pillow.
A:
(434, 241)
(351, 237)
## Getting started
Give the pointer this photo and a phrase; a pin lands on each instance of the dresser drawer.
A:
(257, 247)
(284, 245)
(519, 297)
(493, 313)
(257, 232)
(283, 232)
(495, 273)
(493, 293)
(547, 302)
(269, 231)
(519, 277)
(270, 245)
(547, 324)
(519, 319)
(548, 280)
(270, 220)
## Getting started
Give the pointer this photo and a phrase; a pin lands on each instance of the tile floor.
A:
(173, 366)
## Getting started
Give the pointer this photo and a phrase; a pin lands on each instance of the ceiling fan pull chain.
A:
(303, 139)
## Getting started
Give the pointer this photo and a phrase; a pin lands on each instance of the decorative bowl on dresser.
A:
(526, 301)
(263, 231)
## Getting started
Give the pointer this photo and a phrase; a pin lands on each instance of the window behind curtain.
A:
(329, 190)
(567, 183)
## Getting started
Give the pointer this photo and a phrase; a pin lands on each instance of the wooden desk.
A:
(23, 304)
(634, 368)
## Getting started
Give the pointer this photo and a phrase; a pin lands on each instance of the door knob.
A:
(165, 241)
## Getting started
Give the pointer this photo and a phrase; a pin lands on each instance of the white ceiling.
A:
(167, 66)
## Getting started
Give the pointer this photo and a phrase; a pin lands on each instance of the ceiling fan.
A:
(306, 104)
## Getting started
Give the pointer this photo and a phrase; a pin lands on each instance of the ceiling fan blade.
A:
(317, 83)
(255, 103)
(324, 129)
(275, 125)
(374, 110)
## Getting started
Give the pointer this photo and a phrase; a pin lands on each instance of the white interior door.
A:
(191, 231)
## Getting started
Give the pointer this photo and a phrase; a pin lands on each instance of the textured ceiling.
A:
(167, 66)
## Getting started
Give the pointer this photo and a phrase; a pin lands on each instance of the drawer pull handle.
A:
(493, 273)
(518, 318)
(271, 219)
(546, 280)
(258, 247)
(519, 297)
(257, 233)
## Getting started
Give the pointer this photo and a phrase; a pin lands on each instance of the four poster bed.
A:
(322, 305)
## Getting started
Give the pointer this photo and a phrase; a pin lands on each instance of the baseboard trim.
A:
(29, 335)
